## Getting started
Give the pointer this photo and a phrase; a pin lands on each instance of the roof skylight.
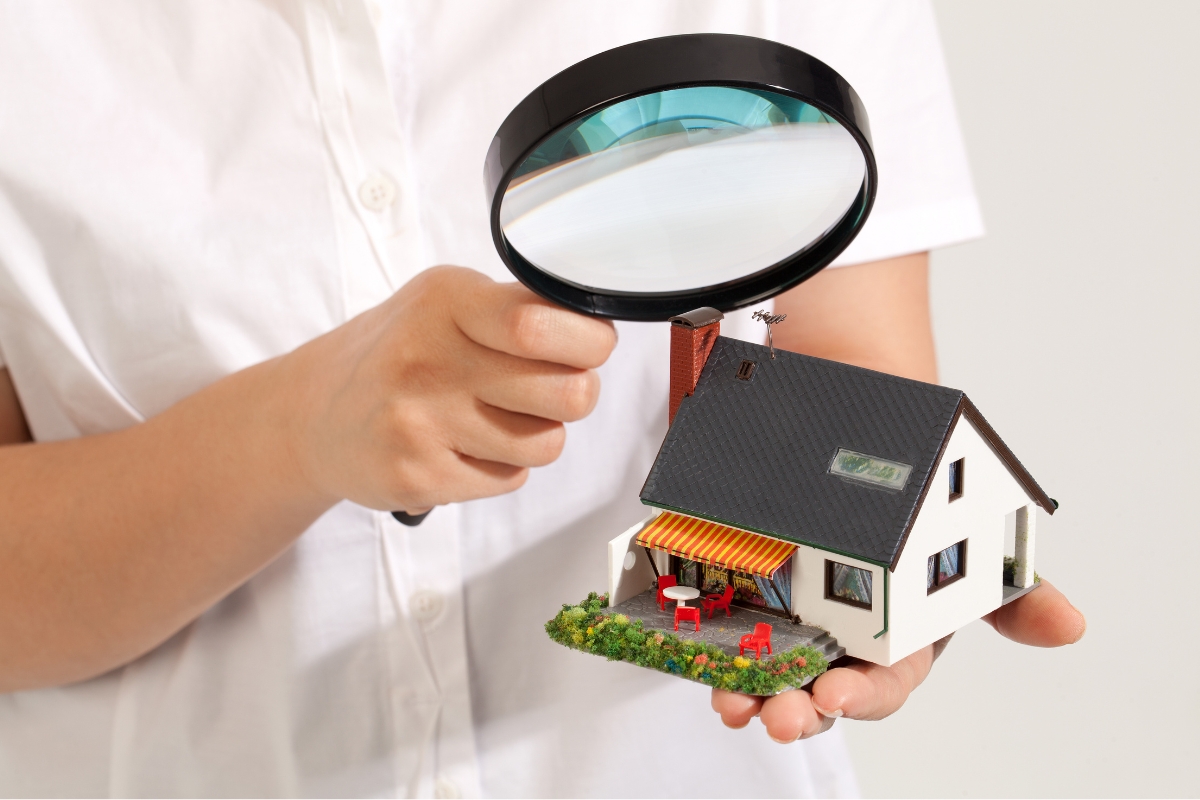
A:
(870, 469)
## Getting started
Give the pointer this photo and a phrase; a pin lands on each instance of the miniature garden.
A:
(588, 628)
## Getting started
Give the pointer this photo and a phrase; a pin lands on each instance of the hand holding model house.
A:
(893, 295)
(862, 690)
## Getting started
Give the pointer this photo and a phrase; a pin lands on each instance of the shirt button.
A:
(445, 788)
(377, 192)
(425, 606)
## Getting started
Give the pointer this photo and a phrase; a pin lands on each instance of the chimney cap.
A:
(698, 318)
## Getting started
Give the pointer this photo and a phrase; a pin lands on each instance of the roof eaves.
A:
(967, 409)
(1009, 458)
(937, 460)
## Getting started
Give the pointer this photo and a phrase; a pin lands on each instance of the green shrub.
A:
(588, 628)
(1010, 569)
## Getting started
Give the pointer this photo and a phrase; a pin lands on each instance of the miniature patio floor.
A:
(723, 631)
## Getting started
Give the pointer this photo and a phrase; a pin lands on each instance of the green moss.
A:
(588, 628)
(1010, 568)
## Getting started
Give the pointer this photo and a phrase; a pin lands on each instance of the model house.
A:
(867, 505)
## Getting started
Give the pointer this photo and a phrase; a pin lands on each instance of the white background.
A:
(1074, 326)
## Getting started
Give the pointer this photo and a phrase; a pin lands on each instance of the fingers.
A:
(791, 716)
(870, 691)
(859, 691)
(540, 389)
(787, 717)
(736, 710)
(501, 436)
(1042, 618)
(509, 318)
(451, 479)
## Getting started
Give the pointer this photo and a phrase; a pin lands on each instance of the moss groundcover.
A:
(589, 628)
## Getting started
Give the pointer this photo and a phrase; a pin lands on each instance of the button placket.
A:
(363, 130)
(431, 566)
(377, 192)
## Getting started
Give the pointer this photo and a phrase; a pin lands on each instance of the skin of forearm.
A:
(109, 544)
(873, 315)
(451, 389)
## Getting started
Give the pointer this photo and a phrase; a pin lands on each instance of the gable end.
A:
(968, 409)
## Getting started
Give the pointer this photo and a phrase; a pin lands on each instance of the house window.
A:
(847, 584)
(746, 370)
(946, 567)
(956, 479)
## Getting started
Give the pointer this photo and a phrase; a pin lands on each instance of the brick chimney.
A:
(692, 338)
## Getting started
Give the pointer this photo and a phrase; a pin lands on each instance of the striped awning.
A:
(718, 545)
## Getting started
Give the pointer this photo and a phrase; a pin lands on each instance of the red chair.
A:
(756, 641)
(664, 582)
(716, 601)
(687, 613)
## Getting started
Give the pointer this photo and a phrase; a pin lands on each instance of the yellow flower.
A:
(620, 619)
(740, 662)
(577, 638)
(593, 630)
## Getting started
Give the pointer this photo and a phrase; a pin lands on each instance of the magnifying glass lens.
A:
(682, 189)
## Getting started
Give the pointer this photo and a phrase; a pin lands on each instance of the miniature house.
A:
(871, 506)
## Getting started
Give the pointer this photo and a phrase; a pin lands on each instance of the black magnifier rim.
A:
(655, 65)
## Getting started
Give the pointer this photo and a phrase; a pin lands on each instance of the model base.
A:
(593, 627)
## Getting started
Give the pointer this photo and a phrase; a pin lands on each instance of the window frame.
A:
(938, 583)
(957, 468)
(829, 595)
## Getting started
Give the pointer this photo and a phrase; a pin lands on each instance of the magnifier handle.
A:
(411, 520)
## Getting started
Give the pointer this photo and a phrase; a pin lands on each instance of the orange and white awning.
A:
(715, 544)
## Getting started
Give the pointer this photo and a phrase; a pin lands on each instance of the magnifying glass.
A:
(674, 173)
(686, 171)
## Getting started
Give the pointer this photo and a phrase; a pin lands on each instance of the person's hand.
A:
(448, 391)
(861, 690)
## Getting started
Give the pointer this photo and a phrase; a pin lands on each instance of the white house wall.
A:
(990, 493)
(853, 627)
(629, 572)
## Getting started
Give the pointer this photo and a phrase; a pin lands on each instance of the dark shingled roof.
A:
(756, 454)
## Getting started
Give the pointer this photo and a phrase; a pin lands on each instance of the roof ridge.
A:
(843, 365)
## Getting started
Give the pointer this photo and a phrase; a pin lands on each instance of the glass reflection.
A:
(682, 189)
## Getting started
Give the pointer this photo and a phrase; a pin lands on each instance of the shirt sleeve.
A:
(891, 54)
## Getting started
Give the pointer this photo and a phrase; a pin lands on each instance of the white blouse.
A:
(190, 188)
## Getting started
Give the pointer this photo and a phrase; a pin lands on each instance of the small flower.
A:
(591, 631)
(577, 638)
(800, 662)
(658, 638)
(701, 660)
(621, 619)
(741, 662)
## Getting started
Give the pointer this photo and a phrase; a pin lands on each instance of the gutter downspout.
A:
(885, 605)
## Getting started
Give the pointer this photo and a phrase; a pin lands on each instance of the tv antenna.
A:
(769, 319)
